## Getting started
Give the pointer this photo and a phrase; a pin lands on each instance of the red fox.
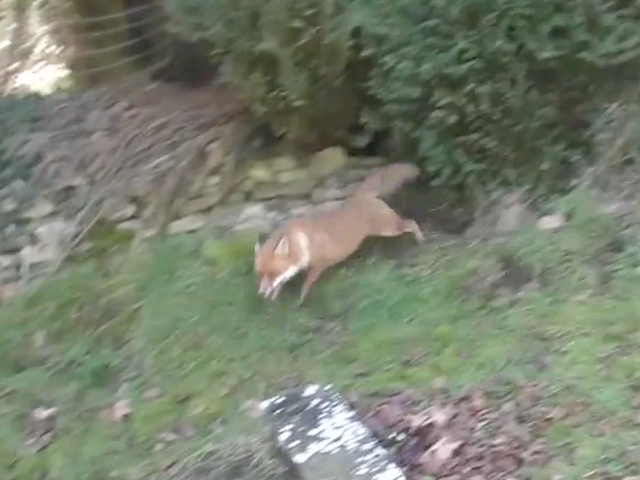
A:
(316, 242)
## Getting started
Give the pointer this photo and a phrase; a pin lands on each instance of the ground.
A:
(150, 357)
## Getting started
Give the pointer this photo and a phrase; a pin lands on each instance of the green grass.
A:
(165, 319)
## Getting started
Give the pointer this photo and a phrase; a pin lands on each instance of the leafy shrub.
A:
(496, 92)
(291, 59)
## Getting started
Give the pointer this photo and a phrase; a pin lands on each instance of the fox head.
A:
(278, 260)
(270, 262)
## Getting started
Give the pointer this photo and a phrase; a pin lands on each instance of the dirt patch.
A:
(438, 211)
(504, 277)
(467, 437)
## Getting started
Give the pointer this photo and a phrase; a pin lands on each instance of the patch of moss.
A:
(229, 252)
(104, 239)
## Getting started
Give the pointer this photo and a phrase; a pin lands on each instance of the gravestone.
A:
(321, 438)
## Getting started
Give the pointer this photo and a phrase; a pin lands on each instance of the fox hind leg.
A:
(389, 224)
(410, 226)
(392, 225)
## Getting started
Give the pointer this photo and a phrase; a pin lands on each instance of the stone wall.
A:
(270, 191)
(36, 232)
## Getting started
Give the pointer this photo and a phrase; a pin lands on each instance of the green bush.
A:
(487, 92)
(291, 59)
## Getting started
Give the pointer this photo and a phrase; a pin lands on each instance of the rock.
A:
(8, 290)
(320, 195)
(321, 437)
(292, 175)
(212, 181)
(8, 205)
(120, 107)
(9, 265)
(305, 210)
(551, 222)
(12, 239)
(210, 198)
(302, 210)
(360, 139)
(371, 162)
(328, 161)
(236, 197)
(55, 232)
(71, 182)
(283, 163)
(268, 191)
(38, 254)
(187, 224)
(40, 209)
(327, 206)
(619, 209)
(512, 213)
(260, 172)
(252, 211)
(132, 225)
(226, 216)
(17, 191)
(254, 227)
(8, 262)
(118, 210)
(355, 175)
(246, 186)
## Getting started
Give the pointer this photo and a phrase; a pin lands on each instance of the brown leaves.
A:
(462, 438)
(438, 455)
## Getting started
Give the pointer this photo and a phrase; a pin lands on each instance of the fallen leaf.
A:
(439, 384)
(529, 395)
(40, 428)
(390, 414)
(120, 410)
(40, 209)
(168, 437)
(8, 290)
(551, 222)
(478, 401)
(252, 409)
(39, 339)
(439, 454)
(506, 462)
(441, 415)
(417, 421)
(38, 443)
(42, 413)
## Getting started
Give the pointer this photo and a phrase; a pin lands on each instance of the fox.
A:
(316, 242)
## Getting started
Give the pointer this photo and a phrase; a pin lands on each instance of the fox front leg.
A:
(312, 276)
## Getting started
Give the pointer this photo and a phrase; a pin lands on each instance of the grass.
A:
(164, 320)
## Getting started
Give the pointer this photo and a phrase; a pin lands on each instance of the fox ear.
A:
(282, 248)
